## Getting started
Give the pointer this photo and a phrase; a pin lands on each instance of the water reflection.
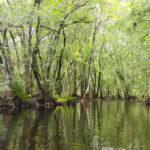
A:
(84, 126)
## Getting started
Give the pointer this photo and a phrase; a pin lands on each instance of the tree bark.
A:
(58, 80)
(29, 59)
(90, 61)
(6, 69)
(16, 50)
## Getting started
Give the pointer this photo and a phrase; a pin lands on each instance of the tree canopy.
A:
(94, 48)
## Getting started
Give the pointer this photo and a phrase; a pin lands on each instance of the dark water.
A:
(90, 126)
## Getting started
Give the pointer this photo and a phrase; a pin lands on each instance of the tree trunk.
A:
(6, 69)
(75, 80)
(16, 50)
(90, 61)
(58, 80)
(29, 58)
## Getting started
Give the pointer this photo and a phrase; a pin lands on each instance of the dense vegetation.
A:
(95, 48)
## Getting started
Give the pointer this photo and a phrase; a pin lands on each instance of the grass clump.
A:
(64, 98)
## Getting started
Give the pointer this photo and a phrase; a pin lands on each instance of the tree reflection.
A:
(84, 126)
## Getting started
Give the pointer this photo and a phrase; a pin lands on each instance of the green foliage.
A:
(19, 90)
(64, 98)
(68, 46)
(3, 88)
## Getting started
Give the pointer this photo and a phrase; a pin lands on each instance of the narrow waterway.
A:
(84, 126)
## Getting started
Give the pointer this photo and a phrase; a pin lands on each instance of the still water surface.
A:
(88, 126)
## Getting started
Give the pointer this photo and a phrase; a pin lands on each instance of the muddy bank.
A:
(35, 102)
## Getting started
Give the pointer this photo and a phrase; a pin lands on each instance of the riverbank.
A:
(36, 101)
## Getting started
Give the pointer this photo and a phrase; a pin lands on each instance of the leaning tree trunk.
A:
(34, 61)
(90, 62)
(16, 50)
(7, 50)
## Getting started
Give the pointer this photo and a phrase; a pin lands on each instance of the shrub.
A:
(18, 90)
(3, 89)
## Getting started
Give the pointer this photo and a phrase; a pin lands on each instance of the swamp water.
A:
(89, 126)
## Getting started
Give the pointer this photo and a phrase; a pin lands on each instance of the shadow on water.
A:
(83, 126)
